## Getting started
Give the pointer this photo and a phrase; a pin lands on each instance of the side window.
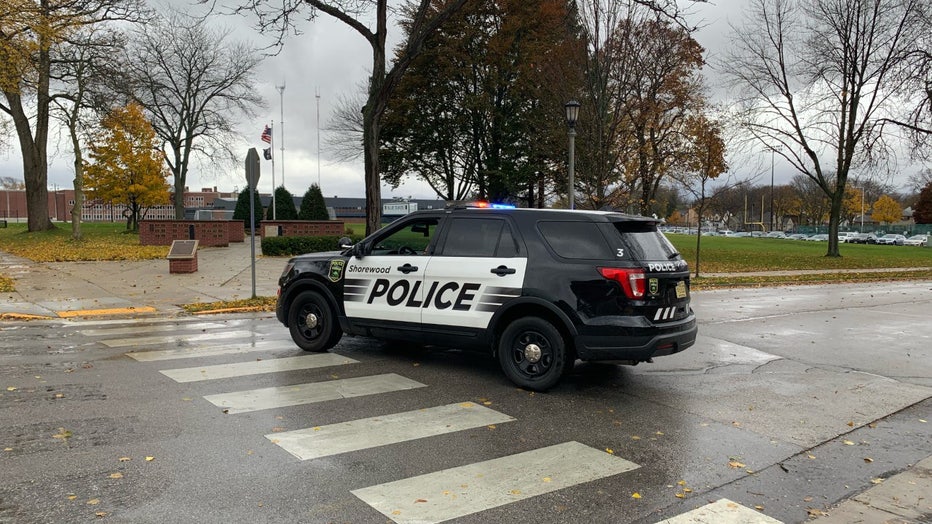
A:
(576, 240)
(479, 237)
(411, 239)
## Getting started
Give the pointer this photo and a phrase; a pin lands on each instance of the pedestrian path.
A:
(455, 491)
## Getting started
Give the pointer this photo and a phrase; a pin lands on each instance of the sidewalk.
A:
(65, 289)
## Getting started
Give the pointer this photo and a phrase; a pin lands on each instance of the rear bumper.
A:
(638, 344)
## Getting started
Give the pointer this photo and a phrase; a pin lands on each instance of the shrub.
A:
(291, 246)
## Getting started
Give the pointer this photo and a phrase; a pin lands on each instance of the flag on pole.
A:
(267, 153)
(267, 135)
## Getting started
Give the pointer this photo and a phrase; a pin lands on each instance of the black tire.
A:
(324, 331)
(532, 353)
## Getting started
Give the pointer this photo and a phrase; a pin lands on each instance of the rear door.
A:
(479, 267)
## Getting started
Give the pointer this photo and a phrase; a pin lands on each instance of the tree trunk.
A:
(78, 185)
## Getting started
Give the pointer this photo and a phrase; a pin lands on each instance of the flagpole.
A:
(281, 133)
(272, 147)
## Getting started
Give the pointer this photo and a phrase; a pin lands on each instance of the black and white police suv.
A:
(537, 288)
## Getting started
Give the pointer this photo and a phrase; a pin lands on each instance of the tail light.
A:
(631, 280)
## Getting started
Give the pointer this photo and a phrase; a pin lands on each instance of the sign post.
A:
(252, 178)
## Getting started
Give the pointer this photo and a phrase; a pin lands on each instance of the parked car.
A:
(797, 236)
(863, 238)
(916, 240)
(892, 239)
(741, 234)
(821, 237)
(776, 234)
(844, 236)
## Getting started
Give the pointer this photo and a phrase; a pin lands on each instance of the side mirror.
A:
(345, 242)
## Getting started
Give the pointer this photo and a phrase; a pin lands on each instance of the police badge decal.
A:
(336, 270)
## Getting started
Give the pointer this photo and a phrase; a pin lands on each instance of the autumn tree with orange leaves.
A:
(126, 165)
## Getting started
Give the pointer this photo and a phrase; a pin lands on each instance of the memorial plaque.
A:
(182, 249)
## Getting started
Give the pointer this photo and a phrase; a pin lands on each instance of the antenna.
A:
(281, 102)
(317, 95)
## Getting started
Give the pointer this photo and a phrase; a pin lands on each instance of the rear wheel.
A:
(312, 322)
(532, 353)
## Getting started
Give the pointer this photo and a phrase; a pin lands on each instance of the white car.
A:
(892, 239)
(916, 240)
(843, 236)
(821, 237)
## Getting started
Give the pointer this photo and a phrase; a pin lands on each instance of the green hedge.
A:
(290, 246)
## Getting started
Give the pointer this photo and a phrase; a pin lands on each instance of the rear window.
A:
(642, 241)
(576, 240)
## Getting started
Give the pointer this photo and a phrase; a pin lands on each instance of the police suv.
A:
(537, 288)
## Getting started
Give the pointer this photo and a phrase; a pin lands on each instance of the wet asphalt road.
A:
(792, 398)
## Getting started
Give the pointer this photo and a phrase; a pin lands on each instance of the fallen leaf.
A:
(847, 442)
(877, 481)
(93, 502)
(811, 457)
(515, 492)
(226, 411)
(659, 433)
(815, 512)
(922, 420)
(396, 512)
(687, 490)
(72, 497)
(681, 495)
(124, 459)
(759, 508)
(872, 425)
(735, 464)
(150, 459)
(546, 479)
(868, 460)
(420, 501)
(850, 423)
(487, 403)
(62, 434)
(491, 426)
(11, 388)
(116, 475)
(635, 437)
(681, 483)
(277, 429)
(610, 451)
(807, 499)
(636, 495)
(7, 449)
(101, 514)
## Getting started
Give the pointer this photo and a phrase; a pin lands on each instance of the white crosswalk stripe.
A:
(160, 327)
(282, 396)
(186, 339)
(209, 351)
(372, 432)
(722, 511)
(256, 367)
(452, 493)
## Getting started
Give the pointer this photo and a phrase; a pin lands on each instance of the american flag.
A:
(267, 135)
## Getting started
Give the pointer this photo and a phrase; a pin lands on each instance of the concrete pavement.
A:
(68, 289)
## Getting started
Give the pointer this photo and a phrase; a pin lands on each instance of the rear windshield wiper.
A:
(672, 256)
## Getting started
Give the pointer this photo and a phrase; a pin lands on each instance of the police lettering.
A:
(445, 295)
(665, 266)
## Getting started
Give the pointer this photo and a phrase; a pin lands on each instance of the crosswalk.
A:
(439, 496)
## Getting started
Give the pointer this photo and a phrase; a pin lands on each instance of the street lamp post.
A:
(572, 113)
(771, 190)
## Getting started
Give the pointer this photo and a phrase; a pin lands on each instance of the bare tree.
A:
(31, 34)
(85, 65)
(816, 77)
(192, 81)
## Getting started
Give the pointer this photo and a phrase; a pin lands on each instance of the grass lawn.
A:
(100, 241)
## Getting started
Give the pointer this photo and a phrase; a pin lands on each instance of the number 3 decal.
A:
(621, 253)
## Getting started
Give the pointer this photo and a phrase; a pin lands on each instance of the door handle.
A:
(502, 271)
(407, 268)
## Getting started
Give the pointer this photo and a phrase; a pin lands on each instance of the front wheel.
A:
(532, 353)
(312, 322)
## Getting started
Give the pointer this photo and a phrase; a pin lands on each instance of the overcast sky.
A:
(331, 60)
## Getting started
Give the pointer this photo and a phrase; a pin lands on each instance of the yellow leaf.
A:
(125, 459)
(681, 483)
(636, 495)
(93, 502)
(681, 495)
(515, 492)
(610, 451)
(396, 512)
(868, 460)
(922, 420)
(687, 490)
(116, 475)
(759, 508)
(72, 497)
(735, 464)
(101, 514)
(487, 403)
(11, 388)
(150, 459)
(466, 404)
(635, 437)
(811, 457)
(850, 423)
(547, 479)
(7, 449)
(876, 481)
(315, 428)
(278, 429)
(847, 442)
(491, 426)
(659, 433)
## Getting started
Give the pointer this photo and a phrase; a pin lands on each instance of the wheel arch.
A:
(532, 307)
(310, 283)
